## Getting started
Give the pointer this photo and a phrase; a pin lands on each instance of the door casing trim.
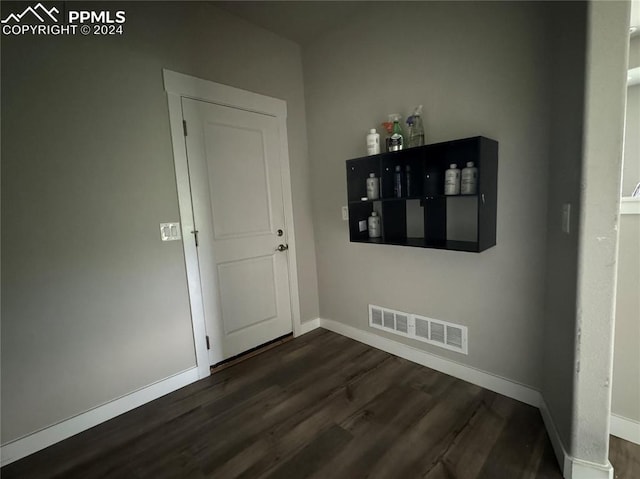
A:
(178, 86)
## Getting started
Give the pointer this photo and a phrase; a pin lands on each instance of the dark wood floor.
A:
(320, 406)
(625, 458)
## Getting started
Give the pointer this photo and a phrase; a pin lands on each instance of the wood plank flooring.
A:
(320, 406)
(625, 458)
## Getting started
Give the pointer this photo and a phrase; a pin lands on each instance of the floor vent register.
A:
(433, 331)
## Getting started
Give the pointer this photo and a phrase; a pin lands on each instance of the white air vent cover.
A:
(402, 323)
(422, 328)
(375, 315)
(437, 332)
(454, 336)
(433, 331)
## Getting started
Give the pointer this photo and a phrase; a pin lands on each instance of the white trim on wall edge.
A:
(492, 382)
(630, 205)
(633, 76)
(178, 86)
(308, 326)
(625, 428)
(27, 445)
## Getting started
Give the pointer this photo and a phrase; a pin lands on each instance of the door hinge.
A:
(184, 127)
(208, 345)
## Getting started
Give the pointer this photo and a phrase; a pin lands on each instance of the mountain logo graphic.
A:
(39, 11)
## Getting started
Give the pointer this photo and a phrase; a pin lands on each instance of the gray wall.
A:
(625, 399)
(568, 35)
(631, 165)
(95, 306)
(634, 50)
(479, 69)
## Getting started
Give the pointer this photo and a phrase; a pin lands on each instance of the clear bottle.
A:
(373, 142)
(416, 129)
(452, 180)
(373, 224)
(396, 141)
(397, 182)
(373, 187)
(469, 181)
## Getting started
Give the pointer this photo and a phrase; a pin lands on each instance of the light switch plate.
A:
(566, 218)
(345, 213)
(170, 231)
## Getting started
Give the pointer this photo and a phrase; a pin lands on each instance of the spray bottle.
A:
(396, 141)
(416, 130)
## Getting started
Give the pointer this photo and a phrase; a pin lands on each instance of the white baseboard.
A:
(24, 446)
(572, 468)
(308, 326)
(578, 469)
(562, 456)
(492, 382)
(625, 428)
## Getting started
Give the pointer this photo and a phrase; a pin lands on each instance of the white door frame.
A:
(178, 86)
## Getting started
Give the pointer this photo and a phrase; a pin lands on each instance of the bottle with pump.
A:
(396, 141)
(373, 187)
(469, 182)
(452, 180)
(397, 182)
(373, 142)
(373, 224)
(416, 130)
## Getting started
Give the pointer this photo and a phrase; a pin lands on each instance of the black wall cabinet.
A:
(424, 217)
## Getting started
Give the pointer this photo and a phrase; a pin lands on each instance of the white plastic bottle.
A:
(469, 182)
(374, 225)
(373, 187)
(452, 180)
(373, 142)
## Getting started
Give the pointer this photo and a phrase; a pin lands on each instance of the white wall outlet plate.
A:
(345, 213)
(170, 231)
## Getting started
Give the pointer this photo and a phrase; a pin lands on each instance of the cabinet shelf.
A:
(405, 198)
(470, 246)
(427, 218)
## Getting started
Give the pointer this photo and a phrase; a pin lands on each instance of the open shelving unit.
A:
(426, 217)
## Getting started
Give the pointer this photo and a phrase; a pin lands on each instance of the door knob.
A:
(283, 247)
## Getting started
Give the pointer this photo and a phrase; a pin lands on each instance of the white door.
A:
(236, 187)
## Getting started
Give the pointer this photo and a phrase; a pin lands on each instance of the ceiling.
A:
(301, 22)
(304, 21)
